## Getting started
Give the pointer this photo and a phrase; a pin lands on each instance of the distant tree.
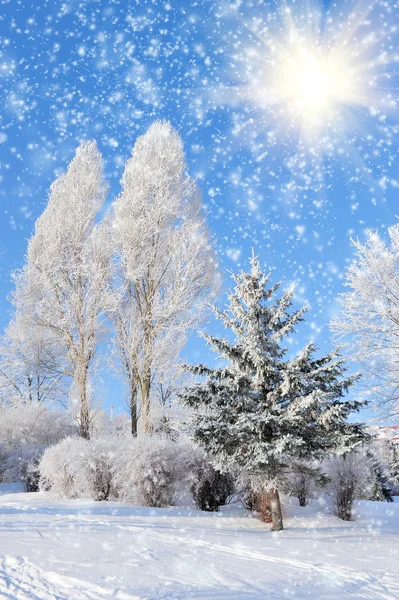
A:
(64, 283)
(31, 365)
(379, 488)
(303, 480)
(165, 270)
(262, 411)
(384, 469)
(368, 325)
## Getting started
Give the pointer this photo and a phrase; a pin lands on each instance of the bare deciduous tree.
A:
(64, 283)
(31, 365)
(165, 270)
(368, 326)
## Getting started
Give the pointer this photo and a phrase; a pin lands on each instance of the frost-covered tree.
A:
(369, 322)
(384, 460)
(347, 481)
(379, 487)
(165, 270)
(63, 286)
(31, 364)
(264, 410)
(29, 425)
(304, 480)
(388, 454)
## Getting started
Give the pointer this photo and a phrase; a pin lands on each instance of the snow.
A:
(62, 549)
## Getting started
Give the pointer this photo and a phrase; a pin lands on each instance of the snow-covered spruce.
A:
(263, 410)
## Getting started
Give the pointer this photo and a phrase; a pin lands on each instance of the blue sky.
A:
(106, 69)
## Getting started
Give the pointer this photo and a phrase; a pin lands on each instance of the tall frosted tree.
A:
(368, 325)
(64, 283)
(263, 410)
(165, 268)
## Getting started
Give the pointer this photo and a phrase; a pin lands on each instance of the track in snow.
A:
(22, 580)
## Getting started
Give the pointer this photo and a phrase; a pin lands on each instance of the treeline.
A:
(141, 276)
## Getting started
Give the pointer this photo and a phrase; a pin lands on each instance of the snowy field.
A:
(54, 549)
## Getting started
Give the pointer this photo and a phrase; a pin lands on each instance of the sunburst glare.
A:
(312, 83)
(314, 73)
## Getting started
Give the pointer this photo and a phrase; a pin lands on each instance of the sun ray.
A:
(307, 66)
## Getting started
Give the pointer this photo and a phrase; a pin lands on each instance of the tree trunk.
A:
(133, 407)
(302, 500)
(145, 405)
(84, 411)
(275, 507)
(30, 389)
(346, 501)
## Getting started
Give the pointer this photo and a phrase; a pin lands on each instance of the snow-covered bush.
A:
(97, 465)
(22, 464)
(76, 467)
(25, 432)
(62, 468)
(147, 470)
(144, 470)
(348, 478)
(209, 487)
(254, 493)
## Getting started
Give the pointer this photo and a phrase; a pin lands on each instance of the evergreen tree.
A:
(262, 411)
(380, 489)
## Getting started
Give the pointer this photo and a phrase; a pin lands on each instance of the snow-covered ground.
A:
(86, 550)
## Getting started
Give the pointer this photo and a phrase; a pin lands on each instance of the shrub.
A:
(254, 496)
(146, 471)
(97, 464)
(209, 487)
(33, 425)
(26, 431)
(62, 469)
(23, 465)
(348, 477)
(257, 500)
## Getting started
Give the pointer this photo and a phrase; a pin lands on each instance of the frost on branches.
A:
(165, 270)
(263, 410)
(369, 321)
(63, 286)
(31, 364)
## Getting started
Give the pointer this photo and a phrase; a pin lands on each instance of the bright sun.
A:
(311, 82)
(314, 75)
